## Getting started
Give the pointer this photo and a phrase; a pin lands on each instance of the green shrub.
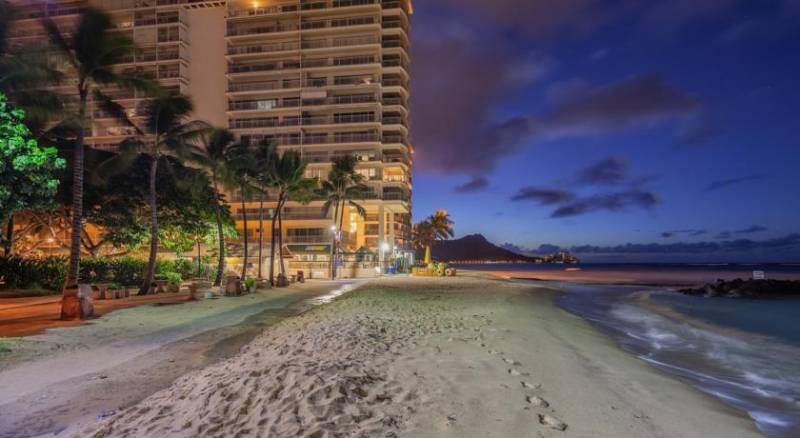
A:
(173, 278)
(186, 267)
(129, 271)
(20, 273)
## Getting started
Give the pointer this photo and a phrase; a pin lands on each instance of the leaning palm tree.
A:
(212, 154)
(289, 183)
(164, 132)
(89, 54)
(442, 225)
(342, 188)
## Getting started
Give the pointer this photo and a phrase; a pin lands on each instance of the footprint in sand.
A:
(529, 385)
(514, 372)
(553, 422)
(511, 361)
(537, 401)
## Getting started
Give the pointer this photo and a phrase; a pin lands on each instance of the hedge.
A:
(49, 273)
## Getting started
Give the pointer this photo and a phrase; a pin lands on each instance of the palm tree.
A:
(164, 133)
(242, 161)
(437, 226)
(90, 55)
(25, 76)
(289, 183)
(343, 186)
(442, 225)
(213, 155)
(265, 158)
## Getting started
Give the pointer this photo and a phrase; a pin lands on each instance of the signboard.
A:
(310, 249)
(759, 275)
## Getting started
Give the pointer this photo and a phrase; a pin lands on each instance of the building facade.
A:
(322, 77)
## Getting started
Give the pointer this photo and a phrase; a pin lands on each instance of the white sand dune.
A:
(466, 357)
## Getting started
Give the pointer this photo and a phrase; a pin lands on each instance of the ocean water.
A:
(744, 352)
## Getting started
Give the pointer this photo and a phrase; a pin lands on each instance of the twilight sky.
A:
(666, 130)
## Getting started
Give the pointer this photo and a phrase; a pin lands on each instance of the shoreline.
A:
(462, 357)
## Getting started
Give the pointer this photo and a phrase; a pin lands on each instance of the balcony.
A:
(235, 87)
(306, 25)
(271, 10)
(294, 65)
(316, 139)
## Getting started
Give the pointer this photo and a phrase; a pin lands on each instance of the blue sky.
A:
(594, 124)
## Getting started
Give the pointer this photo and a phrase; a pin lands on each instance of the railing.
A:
(294, 65)
(321, 139)
(391, 101)
(395, 63)
(307, 25)
(263, 48)
(269, 10)
(264, 85)
(391, 120)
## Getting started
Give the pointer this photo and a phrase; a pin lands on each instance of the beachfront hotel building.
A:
(323, 77)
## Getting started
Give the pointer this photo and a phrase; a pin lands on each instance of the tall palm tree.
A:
(90, 55)
(212, 154)
(265, 158)
(242, 161)
(342, 188)
(164, 132)
(290, 183)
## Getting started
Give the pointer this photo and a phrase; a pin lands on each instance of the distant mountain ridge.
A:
(475, 248)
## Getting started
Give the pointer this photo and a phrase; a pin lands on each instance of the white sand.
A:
(465, 357)
(72, 375)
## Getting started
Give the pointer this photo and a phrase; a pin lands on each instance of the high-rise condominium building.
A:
(323, 77)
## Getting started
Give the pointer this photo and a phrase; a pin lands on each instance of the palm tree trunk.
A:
(9, 243)
(280, 238)
(147, 282)
(272, 245)
(261, 237)
(332, 263)
(220, 235)
(199, 262)
(70, 302)
(244, 218)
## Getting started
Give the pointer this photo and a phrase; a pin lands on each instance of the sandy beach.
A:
(68, 376)
(463, 357)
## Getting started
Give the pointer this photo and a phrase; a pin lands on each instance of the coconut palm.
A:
(438, 226)
(442, 225)
(290, 184)
(90, 55)
(244, 166)
(212, 154)
(342, 188)
(164, 132)
(25, 76)
(265, 158)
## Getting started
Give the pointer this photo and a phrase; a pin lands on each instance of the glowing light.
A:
(385, 247)
(255, 5)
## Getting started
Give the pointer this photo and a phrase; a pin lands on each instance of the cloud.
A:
(619, 201)
(538, 19)
(788, 242)
(543, 196)
(544, 249)
(476, 184)
(725, 183)
(635, 101)
(690, 232)
(460, 79)
(749, 230)
(610, 171)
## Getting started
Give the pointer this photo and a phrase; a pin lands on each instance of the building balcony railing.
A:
(304, 121)
(293, 27)
(281, 9)
(393, 101)
(319, 139)
(294, 65)
(395, 63)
